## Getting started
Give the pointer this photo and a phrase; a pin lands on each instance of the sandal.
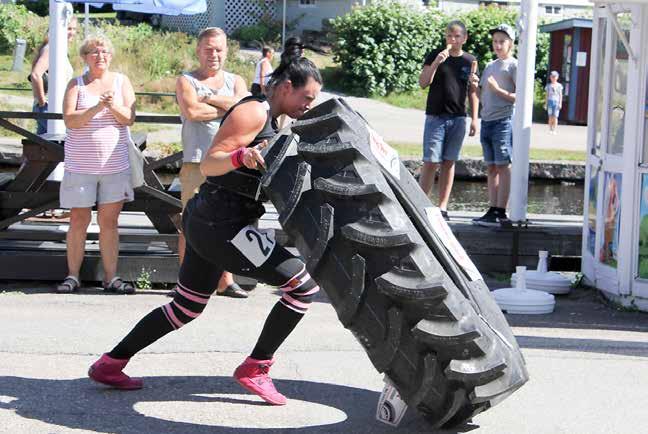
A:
(233, 291)
(118, 286)
(69, 284)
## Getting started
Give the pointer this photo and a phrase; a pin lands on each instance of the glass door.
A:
(640, 244)
(595, 121)
(617, 130)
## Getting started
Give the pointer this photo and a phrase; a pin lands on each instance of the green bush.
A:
(39, 7)
(539, 112)
(153, 59)
(252, 34)
(381, 47)
(17, 22)
(143, 53)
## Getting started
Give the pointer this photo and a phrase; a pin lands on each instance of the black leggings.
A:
(210, 251)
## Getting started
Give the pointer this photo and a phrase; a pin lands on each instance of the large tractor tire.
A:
(361, 223)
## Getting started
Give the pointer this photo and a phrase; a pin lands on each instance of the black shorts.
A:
(232, 245)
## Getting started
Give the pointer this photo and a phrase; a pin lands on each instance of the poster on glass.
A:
(611, 219)
(591, 218)
(643, 228)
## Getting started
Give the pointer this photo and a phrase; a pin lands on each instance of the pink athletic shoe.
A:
(108, 371)
(252, 374)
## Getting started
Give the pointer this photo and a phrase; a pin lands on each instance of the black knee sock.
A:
(150, 328)
(279, 324)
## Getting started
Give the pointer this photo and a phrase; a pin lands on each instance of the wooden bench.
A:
(30, 193)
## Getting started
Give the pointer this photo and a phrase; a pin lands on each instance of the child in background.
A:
(553, 101)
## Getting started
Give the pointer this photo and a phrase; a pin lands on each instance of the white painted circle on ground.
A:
(241, 411)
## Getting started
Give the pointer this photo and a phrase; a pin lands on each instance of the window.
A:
(642, 265)
(644, 159)
(307, 3)
(553, 10)
(601, 47)
(619, 80)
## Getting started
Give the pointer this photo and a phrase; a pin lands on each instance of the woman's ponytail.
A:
(293, 66)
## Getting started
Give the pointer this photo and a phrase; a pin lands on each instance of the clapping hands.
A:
(106, 99)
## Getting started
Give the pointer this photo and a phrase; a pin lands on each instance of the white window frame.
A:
(621, 280)
(599, 39)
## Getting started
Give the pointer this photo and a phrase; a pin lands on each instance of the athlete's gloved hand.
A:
(249, 157)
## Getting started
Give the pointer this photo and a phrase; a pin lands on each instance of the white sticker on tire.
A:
(451, 243)
(385, 154)
(256, 245)
(391, 408)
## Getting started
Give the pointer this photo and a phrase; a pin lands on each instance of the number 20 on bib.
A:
(256, 245)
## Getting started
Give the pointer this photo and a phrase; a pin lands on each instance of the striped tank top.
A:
(100, 147)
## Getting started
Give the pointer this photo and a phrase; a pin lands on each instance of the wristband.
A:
(236, 157)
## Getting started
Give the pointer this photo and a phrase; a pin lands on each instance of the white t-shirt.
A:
(257, 72)
(554, 92)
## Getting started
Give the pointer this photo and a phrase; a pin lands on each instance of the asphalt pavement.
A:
(588, 366)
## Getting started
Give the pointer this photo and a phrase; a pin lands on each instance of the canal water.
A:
(544, 197)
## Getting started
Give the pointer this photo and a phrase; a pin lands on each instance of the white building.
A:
(548, 9)
(231, 14)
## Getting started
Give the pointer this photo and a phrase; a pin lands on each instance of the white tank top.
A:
(100, 146)
(197, 135)
(257, 72)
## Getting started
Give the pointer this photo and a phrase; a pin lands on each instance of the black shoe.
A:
(445, 215)
(233, 291)
(504, 221)
(489, 219)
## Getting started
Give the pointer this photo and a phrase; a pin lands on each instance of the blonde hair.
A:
(211, 32)
(94, 41)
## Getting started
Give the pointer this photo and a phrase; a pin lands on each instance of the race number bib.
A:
(256, 245)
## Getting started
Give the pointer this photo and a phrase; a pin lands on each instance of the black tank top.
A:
(245, 181)
(237, 192)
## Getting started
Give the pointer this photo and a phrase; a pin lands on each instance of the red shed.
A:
(569, 54)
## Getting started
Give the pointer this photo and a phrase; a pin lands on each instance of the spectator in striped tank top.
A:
(98, 108)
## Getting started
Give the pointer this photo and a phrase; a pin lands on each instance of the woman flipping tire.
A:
(218, 225)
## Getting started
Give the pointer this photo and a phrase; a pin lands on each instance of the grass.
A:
(475, 151)
(415, 99)
(140, 127)
(9, 78)
(165, 149)
(99, 15)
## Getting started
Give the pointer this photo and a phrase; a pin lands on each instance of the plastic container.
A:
(520, 300)
(543, 280)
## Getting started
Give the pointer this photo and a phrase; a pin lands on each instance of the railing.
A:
(31, 190)
(29, 89)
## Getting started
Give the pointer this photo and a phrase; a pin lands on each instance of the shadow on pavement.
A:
(81, 404)
(601, 346)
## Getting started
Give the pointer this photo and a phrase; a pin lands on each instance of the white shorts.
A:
(81, 190)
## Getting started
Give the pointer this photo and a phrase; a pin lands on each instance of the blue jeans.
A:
(552, 108)
(41, 124)
(443, 137)
(497, 141)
